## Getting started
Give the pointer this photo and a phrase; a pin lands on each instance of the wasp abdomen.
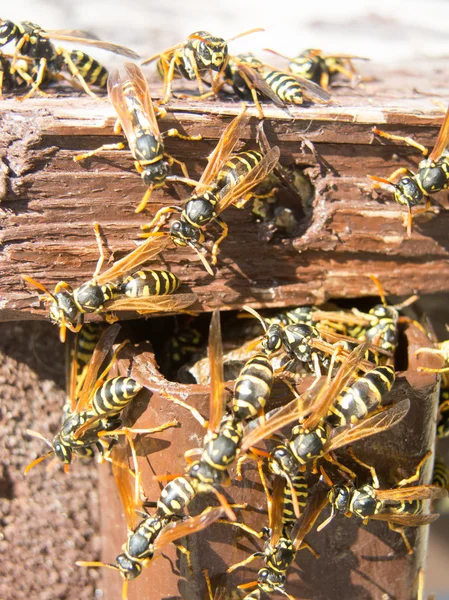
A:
(253, 387)
(285, 86)
(115, 394)
(150, 283)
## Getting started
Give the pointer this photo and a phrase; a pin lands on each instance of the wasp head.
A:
(129, 569)
(270, 581)
(408, 192)
(184, 234)
(156, 174)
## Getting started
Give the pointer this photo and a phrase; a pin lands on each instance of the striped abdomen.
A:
(115, 394)
(91, 70)
(443, 413)
(150, 283)
(88, 337)
(253, 388)
(440, 474)
(237, 167)
(301, 491)
(285, 86)
(175, 497)
(362, 397)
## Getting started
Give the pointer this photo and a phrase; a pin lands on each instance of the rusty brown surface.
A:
(359, 562)
(49, 203)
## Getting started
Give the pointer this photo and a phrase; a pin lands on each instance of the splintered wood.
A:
(49, 203)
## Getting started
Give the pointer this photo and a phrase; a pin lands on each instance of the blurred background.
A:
(397, 33)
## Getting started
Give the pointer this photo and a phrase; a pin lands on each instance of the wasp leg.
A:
(253, 91)
(159, 219)
(118, 146)
(370, 468)
(75, 72)
(168, 78)
(324, 81)
(100, 250)
(338, 464)
(245, 562)
(243, 527)
(201, 420)
(400, 138)
(39, 78)
(220, 239)
(187, 554)
(399, 529)
(62, 285)
(175, 133)
(417, 473)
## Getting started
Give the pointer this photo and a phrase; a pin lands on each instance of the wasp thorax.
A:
(408, 192)
(364, 503)
(129, 569)
(308, 445)
(89, 297)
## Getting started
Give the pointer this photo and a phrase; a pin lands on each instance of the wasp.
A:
(432, 175)
(137, 119)
(322, 69)
(227, 180)
(400, 506)
(200, 53)
(147, 536)
(142, 291)
(33, 42)
(314, 438)
(95, 411)
(280, 548)
(379, 325)
(246, 73)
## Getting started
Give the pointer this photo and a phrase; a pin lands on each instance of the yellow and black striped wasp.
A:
(432, 175)
(118, 288)
(34, 42)
(246, 73)
(400, 506)
(137, 119)
(95, 407)
(148, 536)
(227, 180)
(201, 53)
(322, 69)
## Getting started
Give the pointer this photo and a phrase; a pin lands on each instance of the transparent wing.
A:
(259, 429)
(72, 371)
(382, 421)
(126, 483)
(217, 398)
(276, 509)
(102, 349)
(87, 39)
(178, 529)
(256, 79)
(140, 83)
(315, 506)
(442, 139)
(152, 304)
(312, 90)
(231, 193)
(150, 248)
(331, 392)
(406, 520)
(223, 149)
(117, 99)
(408, 494)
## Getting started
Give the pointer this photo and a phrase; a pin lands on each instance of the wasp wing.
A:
(117, 99)
(252, 77)
(223, 149)
(99, 354)
(315, 506)
(382, 421)
(87, 39)
(217, 398)
(276, 509)
(408, 494)
(126, 483)
(406, 520)
(178, 529)
(151, 247)
(151, 304)
(72, 371)
(442, 139)
(312, 90)
(142, 88)
(231, 193)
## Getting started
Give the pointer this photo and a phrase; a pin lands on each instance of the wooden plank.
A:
(48, 203)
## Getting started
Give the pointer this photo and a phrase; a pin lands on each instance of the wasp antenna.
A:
(379, 288)
(88, 563)
(37, 285)
(407, 302)
(255, 314)
(327, 521)
(38, 435)
(239, 35)
(36, 461)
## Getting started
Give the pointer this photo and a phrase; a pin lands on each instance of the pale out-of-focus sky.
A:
(394, 31)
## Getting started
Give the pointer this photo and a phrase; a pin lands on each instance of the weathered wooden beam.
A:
(49, 203)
